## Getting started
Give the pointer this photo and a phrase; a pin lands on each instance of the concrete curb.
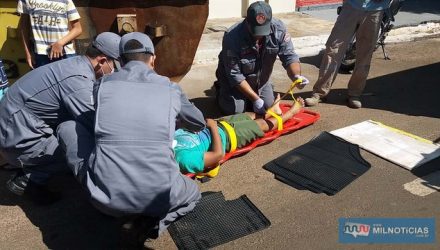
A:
(311, 45)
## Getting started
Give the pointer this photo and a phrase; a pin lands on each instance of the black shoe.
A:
(20, 185)
(137, 230)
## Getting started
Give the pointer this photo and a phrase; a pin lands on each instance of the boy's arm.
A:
(213, 157)
(57, 47)
(24, 27)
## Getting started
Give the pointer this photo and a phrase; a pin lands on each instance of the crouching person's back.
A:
(131, 169)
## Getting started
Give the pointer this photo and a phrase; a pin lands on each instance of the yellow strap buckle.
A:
(232, 136)
(211, 173)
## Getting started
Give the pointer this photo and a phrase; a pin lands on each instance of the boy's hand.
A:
(56, 50)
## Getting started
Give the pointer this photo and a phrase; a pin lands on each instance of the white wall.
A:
(224, 8)
(237, 8)
(282, 6)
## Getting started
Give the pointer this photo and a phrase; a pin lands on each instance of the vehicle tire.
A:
(349, 61)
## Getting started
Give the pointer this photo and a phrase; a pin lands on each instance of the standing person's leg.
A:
(68, 56)
(41, 60)
(366, 38)
(336, 45)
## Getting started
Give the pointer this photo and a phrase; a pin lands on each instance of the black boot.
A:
(20, 185)
(137, 230)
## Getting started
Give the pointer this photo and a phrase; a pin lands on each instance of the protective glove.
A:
(304, 82)
(259, 106)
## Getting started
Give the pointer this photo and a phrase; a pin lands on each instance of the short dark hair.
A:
(141, 56)
(93, 52)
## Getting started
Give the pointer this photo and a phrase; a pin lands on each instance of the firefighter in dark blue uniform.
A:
(246, 61)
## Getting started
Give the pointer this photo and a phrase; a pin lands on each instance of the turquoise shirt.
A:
(191, 147)
(369, 5)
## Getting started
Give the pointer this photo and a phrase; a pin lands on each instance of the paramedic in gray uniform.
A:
(37, 103)
(246, 61)
(130, 168)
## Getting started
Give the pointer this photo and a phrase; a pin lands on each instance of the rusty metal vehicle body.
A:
(175, 26)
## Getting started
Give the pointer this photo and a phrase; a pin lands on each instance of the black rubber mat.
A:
(324, 164)
(216, 221)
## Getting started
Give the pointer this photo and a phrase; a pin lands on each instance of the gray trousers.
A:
(78, 144)
(232, 101)
(35, 151)
(337, 43)
(39, 169)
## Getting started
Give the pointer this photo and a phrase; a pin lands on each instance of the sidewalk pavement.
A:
(309, 34)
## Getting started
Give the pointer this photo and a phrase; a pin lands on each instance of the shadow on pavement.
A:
(208, 104)
(412, 92)
(427, 168)
(313, 60)
(71, 223)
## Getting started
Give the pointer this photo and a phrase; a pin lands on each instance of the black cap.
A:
(259, 15)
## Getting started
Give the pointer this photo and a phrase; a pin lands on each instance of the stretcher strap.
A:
(289, 91)
(232, 136)
(279, 119)
(297, 81)
(211, 173)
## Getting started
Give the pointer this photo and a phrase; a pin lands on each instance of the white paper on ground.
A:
(397, 146)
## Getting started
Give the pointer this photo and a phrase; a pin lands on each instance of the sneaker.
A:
(354, 102)
(20, 185)
(313, 100)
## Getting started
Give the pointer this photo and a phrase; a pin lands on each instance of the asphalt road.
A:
(402, 93)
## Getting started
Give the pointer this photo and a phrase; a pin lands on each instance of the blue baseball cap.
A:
(147, 44)
(108, 44)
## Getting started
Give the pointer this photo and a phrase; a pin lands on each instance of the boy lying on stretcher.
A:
(198, 152)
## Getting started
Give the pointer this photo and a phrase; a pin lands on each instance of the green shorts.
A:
(246, 129)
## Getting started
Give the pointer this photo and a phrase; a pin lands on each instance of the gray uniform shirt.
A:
(132, 168)
(240, 59)
(38, 102)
